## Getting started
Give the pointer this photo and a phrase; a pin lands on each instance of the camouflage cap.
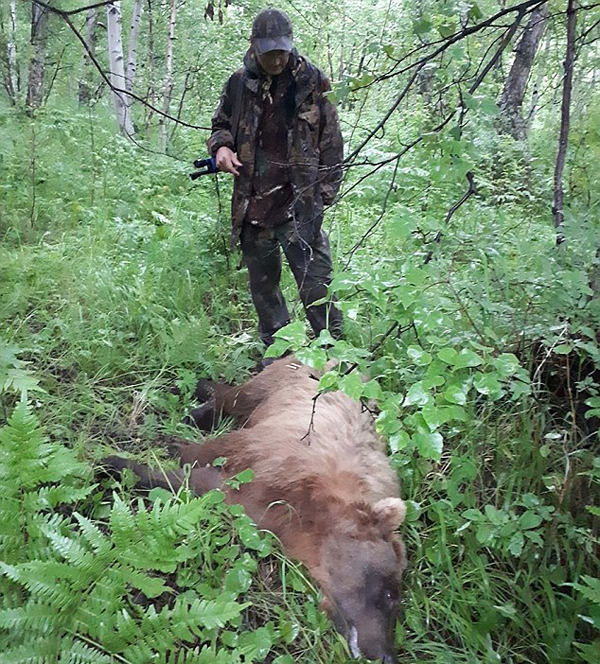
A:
(272, 31)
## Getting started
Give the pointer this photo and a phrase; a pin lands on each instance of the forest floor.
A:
(117, 286)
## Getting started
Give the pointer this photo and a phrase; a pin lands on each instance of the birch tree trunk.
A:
(565, 118)
(134, 32)
(13, 83)
(117, 68)
(150, 94)
(511, 99)
(169, 81)
(85, 88)
(37, 65)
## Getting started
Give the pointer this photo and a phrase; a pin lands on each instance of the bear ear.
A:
(390, 513)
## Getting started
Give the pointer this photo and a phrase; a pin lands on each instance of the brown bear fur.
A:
(322, 483)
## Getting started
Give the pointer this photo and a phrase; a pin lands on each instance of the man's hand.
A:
(227, 160)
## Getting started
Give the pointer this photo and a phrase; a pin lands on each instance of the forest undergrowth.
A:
(479, 336)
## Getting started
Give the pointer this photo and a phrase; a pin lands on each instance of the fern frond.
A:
(43, 579)
(93, 535)
(32, 616)
(22, 451)
(204, 655)
(200, 614)
(62, 494)
(140, 653)
(42, 650)
(74, 651)
(150, 586)
(122, 523)
(70, 549)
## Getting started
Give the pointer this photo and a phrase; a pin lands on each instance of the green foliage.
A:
(140, 584)
(479, 351)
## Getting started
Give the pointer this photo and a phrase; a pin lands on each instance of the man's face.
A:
(274, 62)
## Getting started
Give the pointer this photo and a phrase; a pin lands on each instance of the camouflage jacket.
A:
(315, 148)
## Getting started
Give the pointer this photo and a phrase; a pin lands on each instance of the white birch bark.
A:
(117, 68)
(151, 68)
(169, 81)
(11, 52)
(134, 32)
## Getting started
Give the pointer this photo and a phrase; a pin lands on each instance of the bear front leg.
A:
(201, 479)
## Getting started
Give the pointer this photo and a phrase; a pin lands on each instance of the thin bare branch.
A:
(65, 16)
(72, 12)
(470, 191)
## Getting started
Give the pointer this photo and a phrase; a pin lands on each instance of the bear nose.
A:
(388, 658)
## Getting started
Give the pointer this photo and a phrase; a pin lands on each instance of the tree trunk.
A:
(150, 94)
(13, 83)
(169, 81)
(557, 208)
(535, 94)
(511, 99)
(85, 87)
(136, 20)
(37, 65)
(117, 69)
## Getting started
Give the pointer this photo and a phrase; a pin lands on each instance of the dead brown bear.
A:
(322, 484)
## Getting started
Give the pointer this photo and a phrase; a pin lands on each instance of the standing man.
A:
(277, 133)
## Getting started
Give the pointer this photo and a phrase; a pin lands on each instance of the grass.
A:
(117, 289)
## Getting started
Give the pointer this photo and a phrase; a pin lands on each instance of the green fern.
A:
(77, 590)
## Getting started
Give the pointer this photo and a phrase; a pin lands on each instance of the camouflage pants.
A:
(311, 266)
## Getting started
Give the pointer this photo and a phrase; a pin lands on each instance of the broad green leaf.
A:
(255, 645)
(422, 25)
(329, 381)
(400, 227)
(563, 349)
(416, 396)
(245, 476)
(496, 516)
(249, 536)
(529, 520)
(488, 384)
(312, 356)
(455, 394)
(433, 416)
(399, 441)
(158, 493)
(352, 385)
(419, 356)
(387, 421)
(278, 348)
(455, 413)
(238, 580)
(474, 12)
(415, 276)
(447, 355)
(430, 445)
(484, 533)
(467, 358)
(517, 541)
(488, 106)
(372, 390)
(507, 364)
